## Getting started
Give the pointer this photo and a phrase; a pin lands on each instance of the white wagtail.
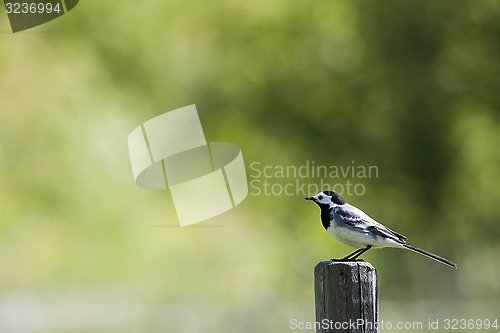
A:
(352, 226)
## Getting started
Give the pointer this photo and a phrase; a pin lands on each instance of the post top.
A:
(356, 263)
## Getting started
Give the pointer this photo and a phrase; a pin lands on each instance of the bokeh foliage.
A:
(409, 86)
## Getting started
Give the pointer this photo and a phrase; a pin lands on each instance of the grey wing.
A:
(355, 217)
(383, 231)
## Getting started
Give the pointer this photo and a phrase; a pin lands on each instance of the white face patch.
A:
(322, 198)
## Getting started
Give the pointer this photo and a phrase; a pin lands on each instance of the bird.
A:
(353, 227)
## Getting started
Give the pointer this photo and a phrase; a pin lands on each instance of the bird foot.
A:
(346, 260)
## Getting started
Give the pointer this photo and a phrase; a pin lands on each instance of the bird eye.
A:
(320, 197)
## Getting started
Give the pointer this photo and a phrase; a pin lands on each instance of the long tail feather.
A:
(430, 255)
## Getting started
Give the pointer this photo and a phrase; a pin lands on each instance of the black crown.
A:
(336, 198)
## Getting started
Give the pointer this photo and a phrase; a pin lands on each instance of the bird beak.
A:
(309, 198)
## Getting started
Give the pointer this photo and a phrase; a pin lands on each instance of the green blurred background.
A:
(411, 87)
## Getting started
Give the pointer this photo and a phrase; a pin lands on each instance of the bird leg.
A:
(346, 258)
(356, 254)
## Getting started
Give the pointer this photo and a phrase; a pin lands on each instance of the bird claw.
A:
(347, 260)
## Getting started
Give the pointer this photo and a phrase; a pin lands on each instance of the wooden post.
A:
(346, 297)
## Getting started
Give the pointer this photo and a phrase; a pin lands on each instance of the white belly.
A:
(348, 236)
(359, 239)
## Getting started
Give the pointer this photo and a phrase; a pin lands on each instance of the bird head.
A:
(327, 198)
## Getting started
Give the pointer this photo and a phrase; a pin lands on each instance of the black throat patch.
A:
(325, 215)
